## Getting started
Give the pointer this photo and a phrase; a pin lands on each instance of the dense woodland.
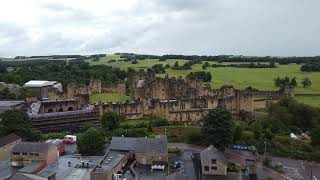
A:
(311, 66)
(227, 58)
(73, 71)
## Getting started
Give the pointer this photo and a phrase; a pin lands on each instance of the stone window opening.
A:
(206, 168)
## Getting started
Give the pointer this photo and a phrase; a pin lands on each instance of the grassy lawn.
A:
(310, 100)
(108, 97)
(241, 78)
(133, 122)
(178, 130)
(258, 78)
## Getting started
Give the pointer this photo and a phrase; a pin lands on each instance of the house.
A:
(8, 105)
(6, 145)
(41, 88)
(146, 151)
(213, 162)
(26, 153)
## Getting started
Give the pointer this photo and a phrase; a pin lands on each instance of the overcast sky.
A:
(206, 27)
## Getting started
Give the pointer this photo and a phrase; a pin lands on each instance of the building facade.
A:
(6, 145)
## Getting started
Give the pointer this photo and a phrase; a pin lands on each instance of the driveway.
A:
(187, 167)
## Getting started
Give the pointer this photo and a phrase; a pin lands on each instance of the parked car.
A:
(177, 164)
(158, 167)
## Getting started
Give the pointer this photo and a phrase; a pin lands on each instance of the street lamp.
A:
(265, 150)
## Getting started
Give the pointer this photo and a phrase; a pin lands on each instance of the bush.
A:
(232, 167)
(141, 132)
(159, 122)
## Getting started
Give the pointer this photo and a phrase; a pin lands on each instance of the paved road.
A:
(187, 167)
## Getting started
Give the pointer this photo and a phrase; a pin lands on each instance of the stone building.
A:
(62, 115)
(13, 88)
(25, 153)
(9, 105)
(123, 150)
(118, 87)
(42, 88)
(6, 145)
(145, 151)
(212, 162)
(93, 86)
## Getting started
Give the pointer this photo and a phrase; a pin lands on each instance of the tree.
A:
(293, 82)
(237, 133)
(306, 82)
(110, 120)
(176, 66)
(90, 142)
(218, 128)
(315, 136)
(15, 121)
(277, 82)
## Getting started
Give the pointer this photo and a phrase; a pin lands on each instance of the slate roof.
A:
(10, 103)
(8, 139)
(39, 83)
(140, 145)
(211, 153)
(32, 147)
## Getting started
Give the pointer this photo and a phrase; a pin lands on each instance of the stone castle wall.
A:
(119, 87)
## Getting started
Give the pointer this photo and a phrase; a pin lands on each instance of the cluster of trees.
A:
(186, 65)
(75, 72)
(23, 93)
(18, 122)
(200, 75)
(251, 65)
(286, 81)
(233, 58)
(159, 68)
(311, 66)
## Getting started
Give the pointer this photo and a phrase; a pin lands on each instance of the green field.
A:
(241, 78)
(108, 97)
(310, 100)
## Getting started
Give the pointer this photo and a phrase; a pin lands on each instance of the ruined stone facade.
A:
(92, 87)
(118, 87)
(13, 88)
(177, 99)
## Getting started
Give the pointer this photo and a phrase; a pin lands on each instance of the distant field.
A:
(108, 97)
(241, 78)
(310, 100)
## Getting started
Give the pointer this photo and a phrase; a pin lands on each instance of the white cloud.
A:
(249, 27)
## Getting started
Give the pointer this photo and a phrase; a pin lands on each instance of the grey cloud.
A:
(248, 27)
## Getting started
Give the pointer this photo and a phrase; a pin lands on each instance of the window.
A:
(214, 167)
(16, 153)
(213, 161)
(36, 154)
(206, 168)
(24, 153)
(31, 154)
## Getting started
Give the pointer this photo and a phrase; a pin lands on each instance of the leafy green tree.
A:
(218, 128)
(315, 136)
(293, 82)
(277, 82)
(90, 142)
(110, 120)
(306, 82)
(237, 133)
(176, 66)
(15, 121)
